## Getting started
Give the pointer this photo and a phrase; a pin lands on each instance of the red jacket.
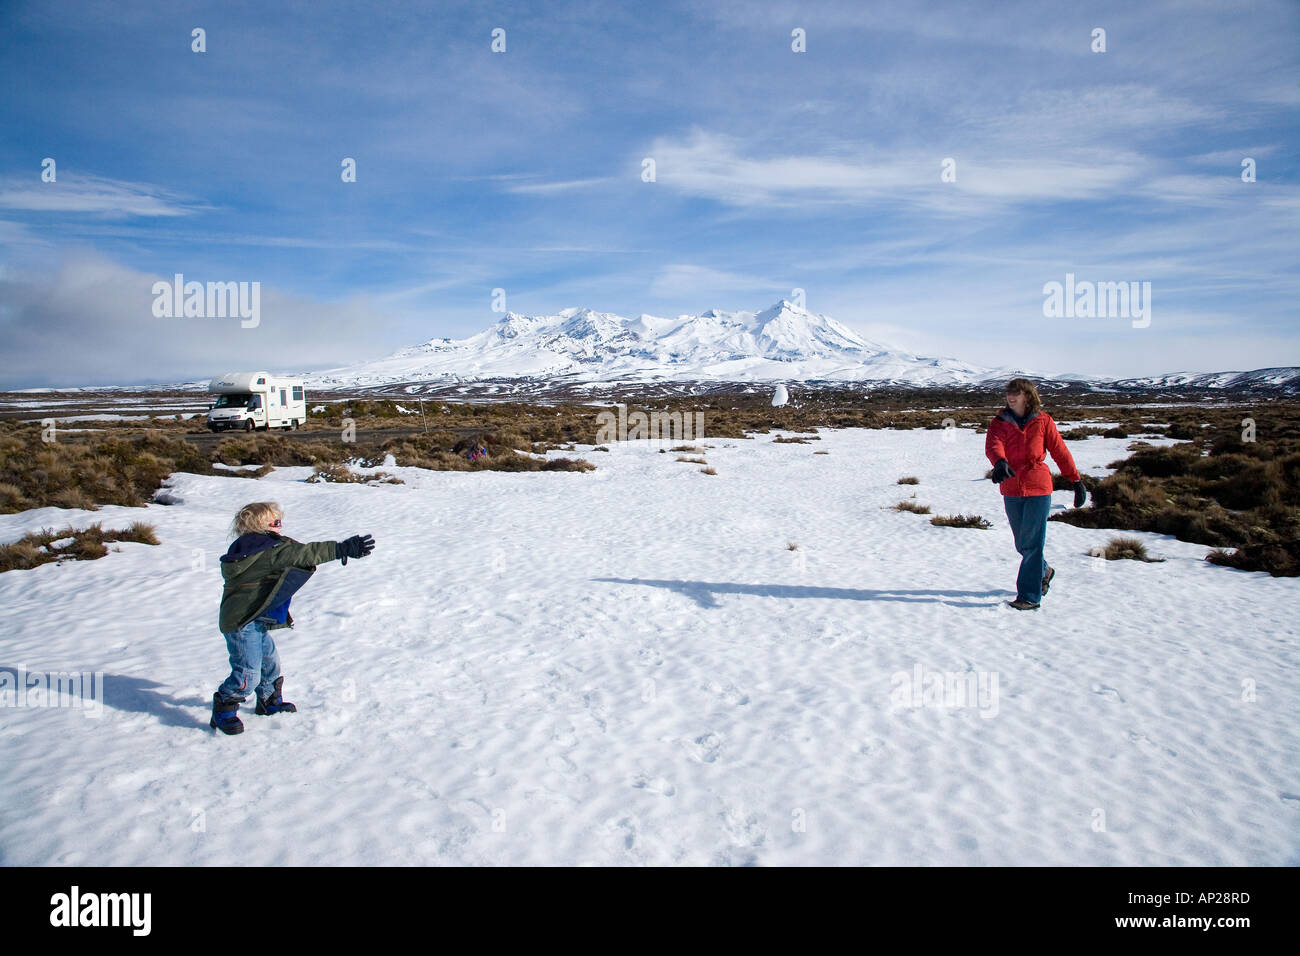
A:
(1025, 450)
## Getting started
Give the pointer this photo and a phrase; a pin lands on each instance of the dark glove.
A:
(1002, 471)
(1080, 494)
(357, 546)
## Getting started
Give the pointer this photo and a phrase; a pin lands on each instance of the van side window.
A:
(297, 393)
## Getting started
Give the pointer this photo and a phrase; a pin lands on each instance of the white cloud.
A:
(700, 283)
(95, 195)
(718, 167)
(556, 187)
(91, 322)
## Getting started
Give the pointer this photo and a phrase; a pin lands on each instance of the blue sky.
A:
(522, 170)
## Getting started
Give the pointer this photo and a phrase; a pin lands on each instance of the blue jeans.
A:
(254, 662)
(1028, 517)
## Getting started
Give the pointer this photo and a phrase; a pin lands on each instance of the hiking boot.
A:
(225, 715)
(1020, 604)
(1047, 578)
(274, 704)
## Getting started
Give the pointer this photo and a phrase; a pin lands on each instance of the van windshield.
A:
(234, 400)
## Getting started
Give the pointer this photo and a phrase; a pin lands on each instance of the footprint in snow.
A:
(744, 829)
(659, 785)
(1146, 742)
(561, 764)
(728, 692)
(872, 747)
(1110, 693)
(706, 748)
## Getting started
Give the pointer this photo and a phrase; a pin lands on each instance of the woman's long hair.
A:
(1030, 389)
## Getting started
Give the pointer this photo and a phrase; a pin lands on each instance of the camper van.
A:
(251, 400)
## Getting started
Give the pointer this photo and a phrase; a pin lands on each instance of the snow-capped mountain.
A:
(780, 343)
(1286, 379)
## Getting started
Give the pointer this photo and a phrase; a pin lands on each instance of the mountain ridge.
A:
(783, 342)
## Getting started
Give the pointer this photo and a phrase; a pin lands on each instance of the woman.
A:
(1018, 440)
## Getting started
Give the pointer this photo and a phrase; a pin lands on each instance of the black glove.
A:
(1002, 471)
(1080, 494)
(357, 546)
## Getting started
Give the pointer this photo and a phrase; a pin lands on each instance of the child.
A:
(262, 571)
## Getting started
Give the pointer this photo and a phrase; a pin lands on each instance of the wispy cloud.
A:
(558, 187)
(97, 196)
(715, 286)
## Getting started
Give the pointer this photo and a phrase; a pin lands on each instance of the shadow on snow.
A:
(704, 593)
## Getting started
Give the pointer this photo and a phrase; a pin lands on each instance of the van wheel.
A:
(248, 424)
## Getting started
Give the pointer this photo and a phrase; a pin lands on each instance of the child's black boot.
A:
(225, 715)
(275, 704)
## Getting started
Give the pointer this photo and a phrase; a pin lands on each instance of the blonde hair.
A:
(255, 518)
(1033, 402)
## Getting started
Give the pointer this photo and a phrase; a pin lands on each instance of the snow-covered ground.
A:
(630, 666)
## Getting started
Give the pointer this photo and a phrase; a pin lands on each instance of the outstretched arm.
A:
(293, 554)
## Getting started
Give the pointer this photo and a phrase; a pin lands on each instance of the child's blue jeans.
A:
(254, 662)
(1028, 517)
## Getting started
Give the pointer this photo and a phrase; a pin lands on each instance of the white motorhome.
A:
(251, 400)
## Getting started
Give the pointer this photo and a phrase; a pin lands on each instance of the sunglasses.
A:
(277, 523)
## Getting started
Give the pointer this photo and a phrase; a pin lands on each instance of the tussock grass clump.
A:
(960, 521)
(1079, 432)
(913, 507)
(113, 468)
(708, 471)
(279, 450)
(1280, 558)
(693, 461)
(340, 473)
(85, 544)
(821, 453)
(796, 440)
(1159, 462)
(909, 480)
(1124, 548)
(1061, 483)
(691, 449)
(504, 450)
(1236, 496)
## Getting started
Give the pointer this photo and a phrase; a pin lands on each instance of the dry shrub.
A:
(708, 471)
(1159, 462)
(1280, 558)
(341, 473)
(913, 507)
(693, 461)
(1257, 485)
(1124, 549)
(87, 544)
(960, 521)
(909, 480)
